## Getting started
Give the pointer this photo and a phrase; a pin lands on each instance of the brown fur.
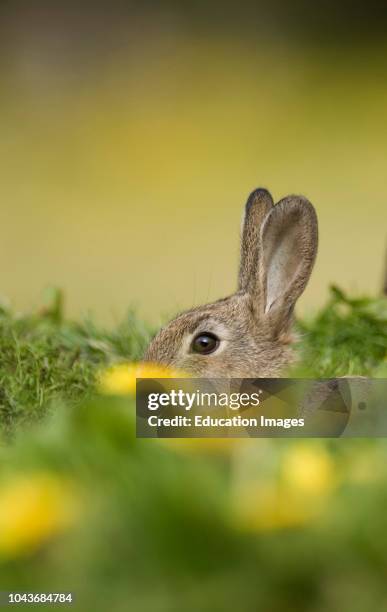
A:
(278, 249)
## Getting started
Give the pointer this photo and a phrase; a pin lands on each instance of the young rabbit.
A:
(249, 333)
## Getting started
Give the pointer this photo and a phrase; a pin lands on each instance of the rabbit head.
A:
(248, 334)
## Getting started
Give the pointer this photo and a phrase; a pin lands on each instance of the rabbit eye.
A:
(205, 343)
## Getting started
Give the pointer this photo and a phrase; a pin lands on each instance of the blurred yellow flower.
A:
(293, 496)
(309, 468)
(32, 510)
(120, 379)
(270, 507)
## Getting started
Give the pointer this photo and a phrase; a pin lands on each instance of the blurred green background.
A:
(131, 135)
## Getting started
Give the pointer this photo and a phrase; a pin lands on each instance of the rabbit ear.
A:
(257, 207)
(289, 238)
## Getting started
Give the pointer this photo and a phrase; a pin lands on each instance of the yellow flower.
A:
(270, 507)
(120, 379)
(293, 496)
(308, 468)
(32, 510)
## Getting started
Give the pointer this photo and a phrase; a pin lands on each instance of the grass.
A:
(347, 337)
(158, 526)
(45, 358)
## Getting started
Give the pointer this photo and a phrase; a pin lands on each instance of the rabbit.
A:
(248, 334)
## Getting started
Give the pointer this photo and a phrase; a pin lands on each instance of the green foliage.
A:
(347, 337)
(45, 358)
(157, 529)
(161, 526)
